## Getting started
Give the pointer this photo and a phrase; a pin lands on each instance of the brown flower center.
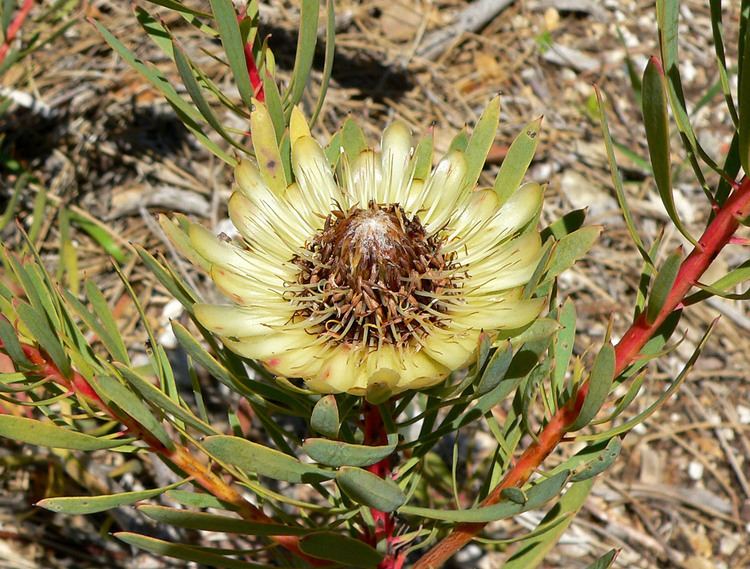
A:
(374, 276)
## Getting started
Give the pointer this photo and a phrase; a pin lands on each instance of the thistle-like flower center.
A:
(373, 276)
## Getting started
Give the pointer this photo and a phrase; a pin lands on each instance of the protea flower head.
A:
(371, 270)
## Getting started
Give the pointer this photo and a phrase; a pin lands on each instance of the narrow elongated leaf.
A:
(744, 103)
(38, 433)
(537, 496)
(101, 309)
(253, 458)
(306, 40)
(185, 70)
(571, 248)
(656, 121)
(336, 453)
(600, 462)
(330, 51)
(231, 40)
(341, 549)
(369, 489)
(651, 409)
(600, 382)
(663, 285)
(481, 141)
(564, 344)
(40, 329)
(197, 500)
(517, 160)
(94, 504)
(214, 522)
(187, 114)
(201, 555)
(114, 392)
(274, 104)
(605, 561)
(161, 401)
(325, 417)
(617, 180)
(530, 553)
(11, 345)
(496, 369)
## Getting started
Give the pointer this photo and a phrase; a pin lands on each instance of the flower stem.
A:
(385, 524)
(718, 234)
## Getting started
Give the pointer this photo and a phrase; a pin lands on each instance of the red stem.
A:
(718, 233)
(252, 68)
(385, 524)
(14, 27)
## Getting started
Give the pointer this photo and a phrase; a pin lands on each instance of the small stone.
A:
(729, 544)
(743, 414)
(695, 470)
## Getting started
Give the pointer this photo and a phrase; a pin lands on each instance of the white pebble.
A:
(695, 470)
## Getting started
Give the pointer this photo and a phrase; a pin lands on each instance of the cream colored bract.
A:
(362, 276)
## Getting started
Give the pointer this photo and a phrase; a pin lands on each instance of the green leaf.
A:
(115, 393)
(10, 208)
(173, 285)
(11, 345)
(330, 51)
(214, 522)
(599, 383)
(656, 121)
(537, 496)
(35, 432)
(161, 401)
(231, 40)
(663, 285)
(459, 142)
(743, 103)
(564, 344)
(482, 138)
(571, 248)
(567, 224)
(341, 549)
(336, 453)
(92, 504)
(605, 561)
(201, 555)
(369, 489)
(303, 58)
(617, 180)
(48, 340)
(198, 500)
(325, 417)
(352, 139)
(187, 114)
(496, 369)
(514, 495)
(601, 461)
(651, 409)
(517, 161)
(254, 458)
(273, 104)
(530, 552)
(185, 69)
(116, 345)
